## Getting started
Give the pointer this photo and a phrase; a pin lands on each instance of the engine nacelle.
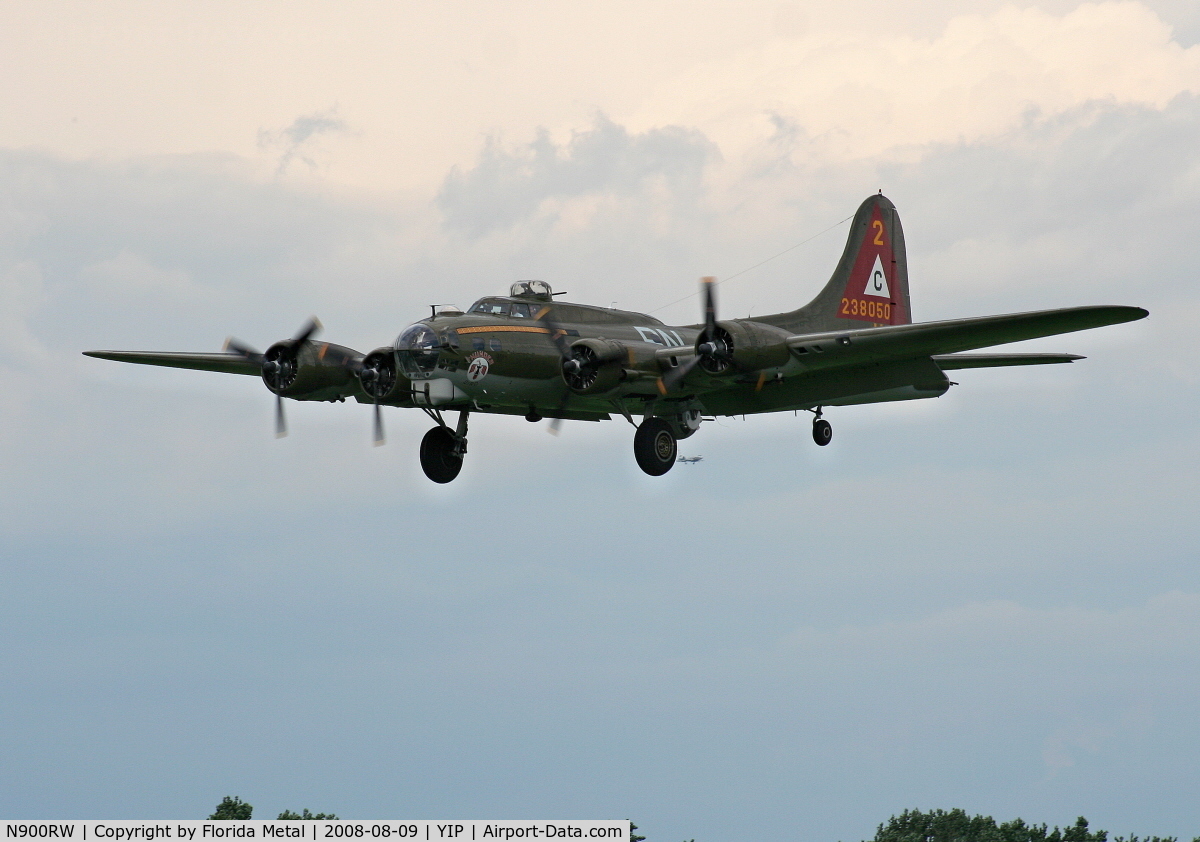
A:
(741, 347)
(382, 380)
(595, 366)
(309, 370)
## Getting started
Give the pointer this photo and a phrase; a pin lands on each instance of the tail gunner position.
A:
(527, 354)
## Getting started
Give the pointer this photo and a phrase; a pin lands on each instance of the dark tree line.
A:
(235, 809)
(957, 826)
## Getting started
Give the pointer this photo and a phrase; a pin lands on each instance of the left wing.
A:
(936, 339)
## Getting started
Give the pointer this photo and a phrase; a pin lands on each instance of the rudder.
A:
(869, 287)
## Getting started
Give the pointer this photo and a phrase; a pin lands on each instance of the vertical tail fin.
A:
(869, 287)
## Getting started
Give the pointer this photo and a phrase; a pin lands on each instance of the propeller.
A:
(571, 366)
(310, 327)
(714, 346)
(379, 437)
(280, 365)
(233, 346)
(280, 421)
(377, 373)
(581, 367)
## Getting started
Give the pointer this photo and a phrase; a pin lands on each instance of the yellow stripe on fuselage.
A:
(504, 329)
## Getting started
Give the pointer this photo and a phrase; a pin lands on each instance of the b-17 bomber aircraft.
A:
(528, 354)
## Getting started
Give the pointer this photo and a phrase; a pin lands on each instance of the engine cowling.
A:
(741, 347)
(594, 366)
(310, 370)
(382, 380)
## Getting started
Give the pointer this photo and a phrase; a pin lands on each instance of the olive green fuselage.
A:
(511, 364)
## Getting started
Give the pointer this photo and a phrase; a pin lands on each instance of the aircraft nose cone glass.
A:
(417, 350)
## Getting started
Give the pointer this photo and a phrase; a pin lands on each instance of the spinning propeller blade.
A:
(559, 337)
(710, 303)
(279, 360)
(233, 346)
(310, 327)
(671, 380)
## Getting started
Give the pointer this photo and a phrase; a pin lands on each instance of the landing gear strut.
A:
(654, 446)
(442, 450)
(822, 429)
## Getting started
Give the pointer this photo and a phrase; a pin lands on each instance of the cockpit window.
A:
(417, 350)
(521, 311)
(491, 307)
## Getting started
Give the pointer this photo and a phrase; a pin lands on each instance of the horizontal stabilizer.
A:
(227, 363)
(925, 339)
(946, 362)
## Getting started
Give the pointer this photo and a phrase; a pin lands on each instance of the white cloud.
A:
(855, 94)
(423, 88)
(299, 140)
(559, 184)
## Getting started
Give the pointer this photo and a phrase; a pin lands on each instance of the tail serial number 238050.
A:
(871, 309)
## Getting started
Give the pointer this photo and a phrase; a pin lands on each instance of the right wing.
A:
(946, 362)
(930, 339)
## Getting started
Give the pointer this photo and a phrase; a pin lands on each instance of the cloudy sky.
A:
(989, 601)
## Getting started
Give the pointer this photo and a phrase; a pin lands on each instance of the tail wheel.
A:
(822, 432)
(439, 459)
(654, 446)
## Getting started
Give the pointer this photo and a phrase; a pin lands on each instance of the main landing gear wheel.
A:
(654, 446)
(440, 459)
(822, 431)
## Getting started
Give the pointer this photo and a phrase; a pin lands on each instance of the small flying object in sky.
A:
(528, 354)
(690, 460)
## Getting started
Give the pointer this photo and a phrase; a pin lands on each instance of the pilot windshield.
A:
(500, 307)
(491, 306)
(417, 350)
